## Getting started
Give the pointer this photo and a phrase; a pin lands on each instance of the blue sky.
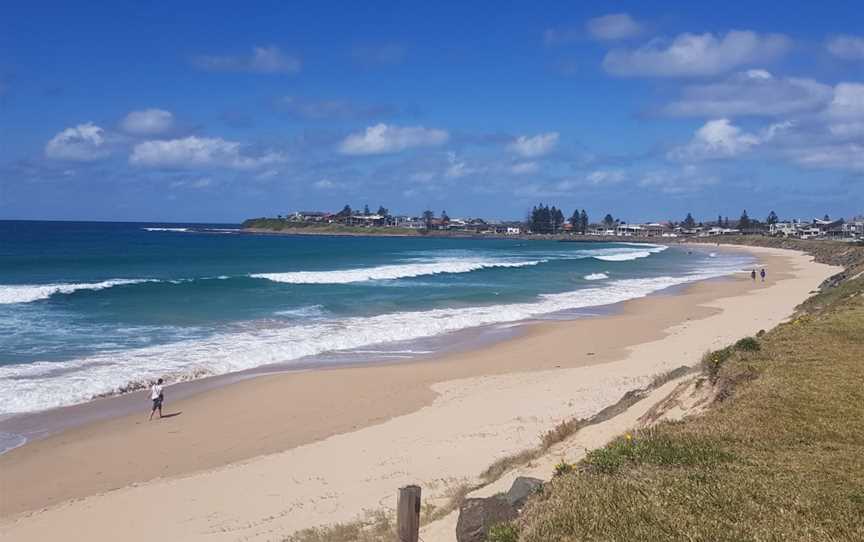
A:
(222, 111)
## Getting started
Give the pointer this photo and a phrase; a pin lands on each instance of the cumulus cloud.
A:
(148, 122)
(385, 139)
(615, 26)
(753, 93)
(83, 143)
(719, 138)
(531, 147)
(195, 152)
(696, 54)
(262, 60)
(846, 47)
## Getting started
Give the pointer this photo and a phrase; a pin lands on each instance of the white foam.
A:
(390, 272)
(166, 229)
(27, 293)
(41, 385)
(625, 256)
(596, 276)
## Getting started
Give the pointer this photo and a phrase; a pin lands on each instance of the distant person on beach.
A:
(762, 274)
(753, 274)
(157, 397)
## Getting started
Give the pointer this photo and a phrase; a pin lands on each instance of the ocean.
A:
(94, 309)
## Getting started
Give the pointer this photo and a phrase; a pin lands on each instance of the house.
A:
(628, 230)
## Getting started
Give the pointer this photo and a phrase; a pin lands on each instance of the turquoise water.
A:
(88, 309)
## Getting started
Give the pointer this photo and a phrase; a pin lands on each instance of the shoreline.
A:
(40, 424)
(357, 406)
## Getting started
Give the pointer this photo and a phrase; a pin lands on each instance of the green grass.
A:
(780, 457)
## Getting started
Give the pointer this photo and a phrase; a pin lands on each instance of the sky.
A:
(221, 111)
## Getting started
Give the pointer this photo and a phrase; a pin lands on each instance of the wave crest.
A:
(27, 293)
(389, 272)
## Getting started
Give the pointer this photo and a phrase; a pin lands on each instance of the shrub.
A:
(503, 532)
(653, 447)
(748, 344)
(563, 468)
(713, 361)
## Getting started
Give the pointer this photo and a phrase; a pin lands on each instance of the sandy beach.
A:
(262, 458)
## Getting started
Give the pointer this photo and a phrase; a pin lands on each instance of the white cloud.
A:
(384, 139)
(456, 168)
(262, 60)
(83, 143)
(327, 184)
(530, 147)
(524, 168)
(719, 138)
(845, 156)
(847, 47)
(687, 179)
(605, 176)
(846, 112)
(615, 26)
(696, 54)
(192, 152)
(753, 92)
(148, 122)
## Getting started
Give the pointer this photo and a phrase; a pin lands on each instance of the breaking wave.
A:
(389, 272)
(27, 293)
(42, 385)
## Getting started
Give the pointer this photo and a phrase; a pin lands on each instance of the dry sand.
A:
(262, 458)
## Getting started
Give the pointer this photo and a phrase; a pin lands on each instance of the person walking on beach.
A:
(753, 275)
(762, 274)
(157, 397)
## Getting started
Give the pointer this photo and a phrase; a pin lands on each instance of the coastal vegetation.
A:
(780, 456)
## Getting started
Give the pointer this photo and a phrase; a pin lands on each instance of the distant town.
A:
(546, 220)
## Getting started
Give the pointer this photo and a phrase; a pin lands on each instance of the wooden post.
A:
(408, 514)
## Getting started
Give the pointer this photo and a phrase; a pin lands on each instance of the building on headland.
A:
(838, 229)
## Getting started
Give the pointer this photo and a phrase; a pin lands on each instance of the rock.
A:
(522, 488)
(477, 516)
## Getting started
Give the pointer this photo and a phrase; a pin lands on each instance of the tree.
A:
(826, 218)
(427, 219)
(574, 220)
(719, 221)
(557, 219)
(345, 212)
(583, 221)
(383, 211)
(689, 223)
(772, 218)
(608, 221)
(744, 221)
(444, 217)
(726, 223)
(366, 211)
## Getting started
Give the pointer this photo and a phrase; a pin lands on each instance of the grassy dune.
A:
(780, 456)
